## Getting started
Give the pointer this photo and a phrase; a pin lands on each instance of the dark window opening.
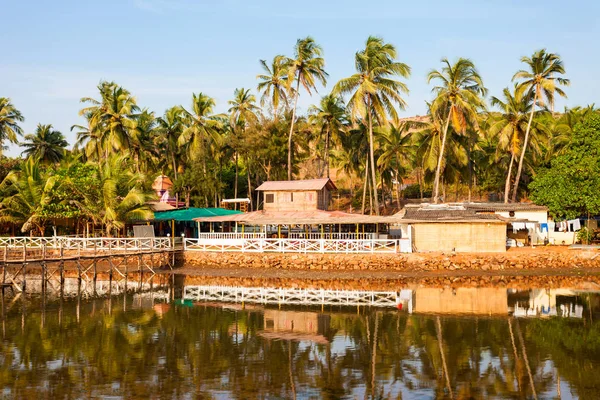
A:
(270, 198)
(511, 213)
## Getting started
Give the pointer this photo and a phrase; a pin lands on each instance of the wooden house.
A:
(302, 195)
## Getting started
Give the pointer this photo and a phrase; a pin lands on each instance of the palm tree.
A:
(200, 126)
(112, 117)
(46, 145)
(398, 151)
(509, 127)
(9, 119)
(170, 127)
(242, 113)
(458, 98)
(331, 116)
(89, 140)
(305, 69)
(119, 197)
(374, 94)
(539, 83)
(30, 194)
(273, 83)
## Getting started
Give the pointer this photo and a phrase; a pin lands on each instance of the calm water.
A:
(461, 343)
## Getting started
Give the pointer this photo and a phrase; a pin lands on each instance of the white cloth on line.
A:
(551, 226)
(576, 224)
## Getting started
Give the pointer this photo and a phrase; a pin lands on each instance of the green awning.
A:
(188, 214)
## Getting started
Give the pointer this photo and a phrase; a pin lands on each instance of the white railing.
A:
(332, 235)
(75, 243)
(237, 294)
(231, 235)
(299, 245)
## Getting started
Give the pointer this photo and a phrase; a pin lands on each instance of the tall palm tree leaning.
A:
(170, 127)
(373, 91)
(273, 83)
(305, 69)
(331, 116)
(509, 127)
(45, 145)
(241, 114)
(539, 82)
(9, 122)
(459, 96)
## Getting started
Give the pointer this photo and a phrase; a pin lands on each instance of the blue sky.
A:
(163, 50)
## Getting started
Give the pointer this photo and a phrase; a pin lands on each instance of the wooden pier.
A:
(52, 258)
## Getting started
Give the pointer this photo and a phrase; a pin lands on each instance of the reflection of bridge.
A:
(238, 294)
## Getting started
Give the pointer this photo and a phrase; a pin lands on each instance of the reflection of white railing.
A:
(291, 296)
(231, 235)
(75, 243)
(331, 235)
(300, 245)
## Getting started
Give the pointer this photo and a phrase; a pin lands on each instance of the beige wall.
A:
(296, 200)
(461, 236)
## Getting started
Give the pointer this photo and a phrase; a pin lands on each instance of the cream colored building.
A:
(445, 227)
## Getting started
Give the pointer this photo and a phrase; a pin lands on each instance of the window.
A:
(292, 197)
(511, 213)
(269, 198)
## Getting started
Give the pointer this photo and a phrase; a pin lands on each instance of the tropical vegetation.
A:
(468, 146)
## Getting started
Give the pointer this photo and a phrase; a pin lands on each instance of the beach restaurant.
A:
(296, 219)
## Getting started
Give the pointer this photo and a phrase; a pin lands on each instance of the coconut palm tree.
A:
(509, 126)
(112, 118)
(119, 197)
(541, 83)
(9, 122)
(305, 69)
(331, 116)
(273, 83)
(459, 96)
(46, 145)
(89, 140)
(30, 192)
(374, 94)
(201, 126)
(242, 113)
(397, 143)
(170, 128)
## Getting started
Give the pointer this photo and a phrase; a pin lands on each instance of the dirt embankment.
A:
(540, 267)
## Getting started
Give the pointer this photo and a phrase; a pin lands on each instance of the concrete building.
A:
(445, 227)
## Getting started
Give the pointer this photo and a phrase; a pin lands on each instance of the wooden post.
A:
(44, 271)
(62, 265)
(5, 257)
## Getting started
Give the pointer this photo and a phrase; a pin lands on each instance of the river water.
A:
(149, 342)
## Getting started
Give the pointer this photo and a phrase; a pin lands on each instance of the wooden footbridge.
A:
(51, 258)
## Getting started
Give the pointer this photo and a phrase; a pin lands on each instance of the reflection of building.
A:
(461, 301)
(546, 303)
(295, 325)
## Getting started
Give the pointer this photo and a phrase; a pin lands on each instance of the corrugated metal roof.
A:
(305, 184)
(434, 214)
(189, 214)
(505, 207)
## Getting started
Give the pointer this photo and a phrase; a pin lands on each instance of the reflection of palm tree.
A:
(438, 327)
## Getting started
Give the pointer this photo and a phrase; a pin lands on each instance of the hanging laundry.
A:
(576, 224)
(551, 226)
(544, 227)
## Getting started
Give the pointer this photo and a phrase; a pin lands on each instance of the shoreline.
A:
(584, 279)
